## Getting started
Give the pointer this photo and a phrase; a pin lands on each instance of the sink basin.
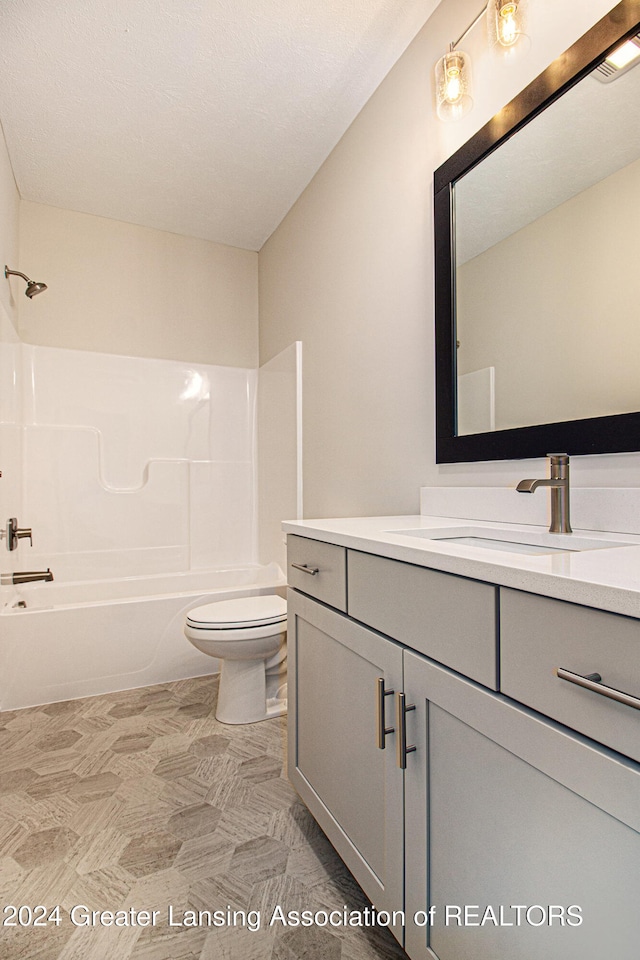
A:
(512, 541)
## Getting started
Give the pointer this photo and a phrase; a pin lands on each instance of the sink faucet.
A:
(27, 576)
(558, 483)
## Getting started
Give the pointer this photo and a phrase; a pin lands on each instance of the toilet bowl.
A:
(248, 635)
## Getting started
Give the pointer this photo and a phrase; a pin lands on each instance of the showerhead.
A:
(33, 288)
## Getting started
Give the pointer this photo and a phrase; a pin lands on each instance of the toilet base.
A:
(242, 693)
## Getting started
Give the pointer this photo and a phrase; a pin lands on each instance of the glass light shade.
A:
(507, 27)
(453, 85)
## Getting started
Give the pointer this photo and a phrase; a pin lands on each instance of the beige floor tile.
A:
(44, 846)
(141, 799)
(238, 943)
(34, 944)
(98, 815)
(149, 853)
(105, 888)
(158, 890)
(11, 876)
(95, 851)
(204, 857)
(49, 884)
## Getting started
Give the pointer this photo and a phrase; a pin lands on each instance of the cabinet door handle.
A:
(306, 568)
(402, 709)
(381, 729)
(593, 681)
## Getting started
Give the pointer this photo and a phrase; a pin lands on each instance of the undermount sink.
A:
(512, 541)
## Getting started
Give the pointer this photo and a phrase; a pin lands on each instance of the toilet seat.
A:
(248, 636)
(242, 613)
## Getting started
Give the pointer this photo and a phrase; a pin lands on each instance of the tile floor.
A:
(141, 799)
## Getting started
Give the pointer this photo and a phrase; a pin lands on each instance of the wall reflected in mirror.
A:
(547, 265)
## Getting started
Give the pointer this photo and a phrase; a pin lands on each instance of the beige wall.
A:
(566, 346)
(349, 272)
(9, 201)
(119, 288)
(10, 433)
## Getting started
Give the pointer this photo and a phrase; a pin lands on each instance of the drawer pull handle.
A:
(306, 568)
(402, 709)
(381, 729)
(593, 681)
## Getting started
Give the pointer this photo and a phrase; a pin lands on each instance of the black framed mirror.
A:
(537, 239)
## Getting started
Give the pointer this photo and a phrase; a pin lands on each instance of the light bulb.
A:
(453, 84)
(507, 24)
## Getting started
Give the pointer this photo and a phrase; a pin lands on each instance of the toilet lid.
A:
(238, 613)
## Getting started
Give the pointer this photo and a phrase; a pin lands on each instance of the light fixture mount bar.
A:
(455, 43)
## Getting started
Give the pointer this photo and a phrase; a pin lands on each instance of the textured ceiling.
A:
(202, 117)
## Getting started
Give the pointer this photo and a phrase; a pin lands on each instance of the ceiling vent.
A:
(619, 61)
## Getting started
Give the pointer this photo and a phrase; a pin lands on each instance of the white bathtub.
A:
(60, 641)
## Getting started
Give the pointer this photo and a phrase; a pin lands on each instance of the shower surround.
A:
(138, 479)
(135, 466)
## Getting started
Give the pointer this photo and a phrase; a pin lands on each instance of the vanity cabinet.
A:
(517, 820)
(522, 834)
(350, 785)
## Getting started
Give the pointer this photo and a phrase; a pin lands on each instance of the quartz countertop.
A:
(607, 578)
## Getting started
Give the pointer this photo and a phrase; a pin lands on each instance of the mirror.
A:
(538, 333)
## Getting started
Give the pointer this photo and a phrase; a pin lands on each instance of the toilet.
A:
(248, 635)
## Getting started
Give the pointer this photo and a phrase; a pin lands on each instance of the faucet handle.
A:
(12, 532)
(559, 466)
(22, 533)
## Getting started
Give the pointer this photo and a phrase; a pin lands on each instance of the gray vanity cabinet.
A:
(508, 811)
(352, 787)
(516, 828)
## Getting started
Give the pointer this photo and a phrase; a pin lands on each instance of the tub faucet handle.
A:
(12, 533)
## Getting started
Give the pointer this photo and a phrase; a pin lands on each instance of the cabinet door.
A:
(352, 787)
(507, 810)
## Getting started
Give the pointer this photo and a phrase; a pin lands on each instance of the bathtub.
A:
(62, 640)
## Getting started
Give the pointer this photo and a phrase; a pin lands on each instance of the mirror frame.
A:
(618, 433)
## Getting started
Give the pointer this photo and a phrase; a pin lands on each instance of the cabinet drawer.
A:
(329, 582)
(538, 635)
(448, 618)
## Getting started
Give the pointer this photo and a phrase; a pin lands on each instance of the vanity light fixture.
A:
(506, 22)
(453, 85)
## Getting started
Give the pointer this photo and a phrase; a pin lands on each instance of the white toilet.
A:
(248, 635)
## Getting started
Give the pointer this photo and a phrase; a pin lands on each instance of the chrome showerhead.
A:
(33, 288)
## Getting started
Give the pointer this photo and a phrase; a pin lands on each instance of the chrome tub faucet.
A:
(26, 576)
(558, 483)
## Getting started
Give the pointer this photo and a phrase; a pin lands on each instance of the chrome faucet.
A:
(26, 576)
(558, 483)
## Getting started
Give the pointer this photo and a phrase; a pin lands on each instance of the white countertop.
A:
(607, 578)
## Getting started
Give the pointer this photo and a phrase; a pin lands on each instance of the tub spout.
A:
(26, 576)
